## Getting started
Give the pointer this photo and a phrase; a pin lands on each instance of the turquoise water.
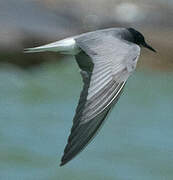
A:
(36, 111)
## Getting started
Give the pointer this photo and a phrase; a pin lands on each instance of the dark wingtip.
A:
(62, 164)
(64, 161)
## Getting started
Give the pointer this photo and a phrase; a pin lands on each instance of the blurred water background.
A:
(39, 93)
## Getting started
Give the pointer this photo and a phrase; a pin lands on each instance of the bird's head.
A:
(139, 39)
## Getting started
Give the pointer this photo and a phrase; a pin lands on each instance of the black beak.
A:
(148, 46)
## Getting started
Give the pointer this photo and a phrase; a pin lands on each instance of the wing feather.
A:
(104, 70)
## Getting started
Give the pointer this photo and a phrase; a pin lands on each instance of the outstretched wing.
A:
(105, 65)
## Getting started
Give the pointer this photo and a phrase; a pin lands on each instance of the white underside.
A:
(65, 46)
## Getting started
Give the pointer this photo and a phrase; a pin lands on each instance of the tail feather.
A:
(66, 46)
(48, 47)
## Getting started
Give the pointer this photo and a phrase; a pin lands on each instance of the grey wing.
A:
(103, 84)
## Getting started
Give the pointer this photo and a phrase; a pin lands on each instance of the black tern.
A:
(106, 58)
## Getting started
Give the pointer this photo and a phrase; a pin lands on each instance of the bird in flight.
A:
(106, 58)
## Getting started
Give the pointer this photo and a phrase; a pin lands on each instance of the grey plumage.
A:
(105, 70)
(106, 59)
